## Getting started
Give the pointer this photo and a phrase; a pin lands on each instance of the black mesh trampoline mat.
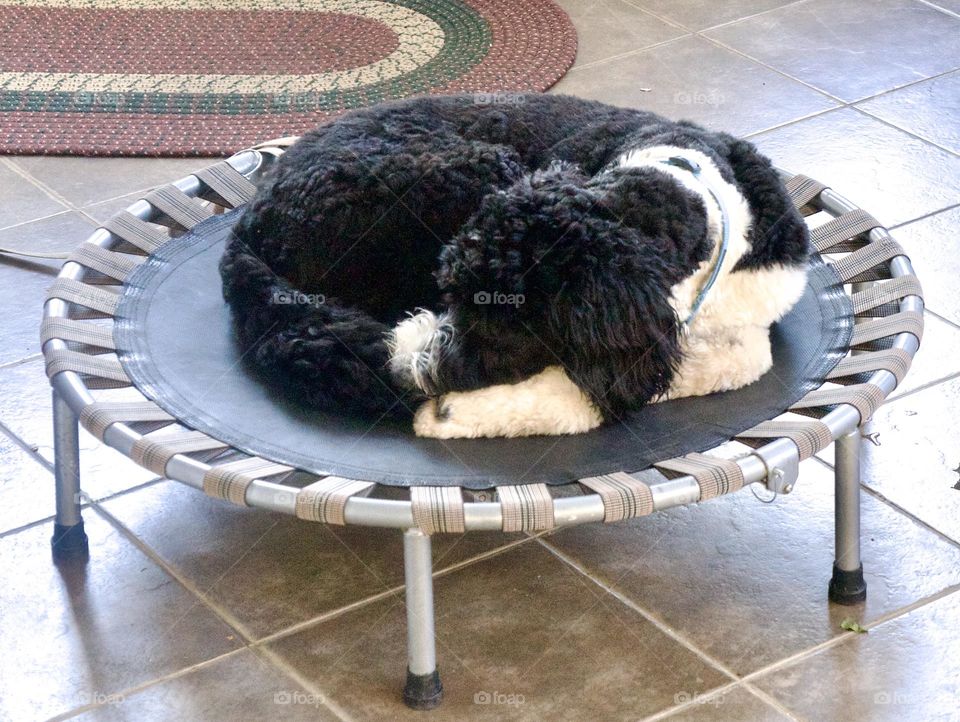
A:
(175, 339)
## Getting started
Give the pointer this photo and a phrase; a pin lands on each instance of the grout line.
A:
(258, 646)
(847, 636)
(21, 362)
(942, 318)
(680, 24)
(706, 698)
(20, 224)
(905, 610)
(200, 598)
(325, 617)
(912, 134)
(28, 449)
(659, 624)
(941, 9)
(921, 387)
(26, 175)
(292, 673)
(130, 691)
(821, 91)
(878, 495)
(657, 16)
(85, 505)
(755, 15)
(773, 702)
(899, 226)
(698, 700)
(793, 121)
(626, 54)
(27, 527)
(908, 84)
(392, 591)
(915, 519)
(661, 18)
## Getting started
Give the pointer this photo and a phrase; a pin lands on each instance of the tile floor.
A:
(190, 609)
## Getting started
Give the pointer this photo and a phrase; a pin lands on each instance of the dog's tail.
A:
(330, 356)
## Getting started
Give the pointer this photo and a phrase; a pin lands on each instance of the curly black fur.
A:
(428, 202)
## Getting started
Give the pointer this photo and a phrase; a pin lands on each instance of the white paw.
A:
(436, 419)
(546, 404)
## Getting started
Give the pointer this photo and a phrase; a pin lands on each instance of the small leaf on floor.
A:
(852, 626)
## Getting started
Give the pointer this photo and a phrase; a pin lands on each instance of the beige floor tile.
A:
(905, 669)
(850, 48)
(747, 581)
(270, 570)
(520, 636)
(737, 95)
(79, 632)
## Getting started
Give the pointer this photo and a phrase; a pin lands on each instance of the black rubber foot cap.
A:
(69, 542)
(423, 691)
(847, 587)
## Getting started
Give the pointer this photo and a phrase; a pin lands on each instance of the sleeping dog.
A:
(491, 270)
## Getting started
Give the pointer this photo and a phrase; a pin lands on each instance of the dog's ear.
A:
(595, 291)
(616, 333)
(668, 216)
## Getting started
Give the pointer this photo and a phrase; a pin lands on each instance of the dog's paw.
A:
(436, 419)
(546, 404)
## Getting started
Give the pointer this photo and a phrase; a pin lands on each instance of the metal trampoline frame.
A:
(888, 309)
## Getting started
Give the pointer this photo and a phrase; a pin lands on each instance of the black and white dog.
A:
(534, 268)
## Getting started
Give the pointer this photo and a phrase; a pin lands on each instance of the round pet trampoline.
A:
(138, 348)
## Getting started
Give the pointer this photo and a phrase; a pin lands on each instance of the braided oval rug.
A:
(208, 77)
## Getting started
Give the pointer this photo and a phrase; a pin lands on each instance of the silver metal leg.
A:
(847, 585)
(423, 689)
(69, 539)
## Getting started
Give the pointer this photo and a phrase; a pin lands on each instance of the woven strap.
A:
(99, 299)
(868, 263)
(865, 398)
(181, 208)
(438, 509)
(105, 368)
(325, 500)
(895, 360)
(623, 496)
(138, 233)
(67, 329)
(876, 328)
(230, 481)
(714, 476)
(802, 189)
(810, 436)
(100, 415)
(835, 235)
(228, 183)
(528, 507)
(154, 451)
(115, 265)
(882, 293)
